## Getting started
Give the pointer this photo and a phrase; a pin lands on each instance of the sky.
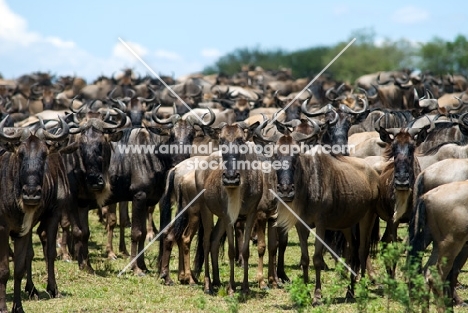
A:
(182, 37)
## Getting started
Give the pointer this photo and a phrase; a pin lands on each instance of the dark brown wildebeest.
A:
(34, 189)
(330, 192)
(88, 176)
(139, 177)
(396, 181)
(442, 212)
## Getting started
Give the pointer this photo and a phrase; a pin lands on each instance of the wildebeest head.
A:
(47, 92)
(401, 144)
(190, 96)
(31, 151)
(287, 150)
(291, 107)
(180, 133)
(338, 122)
(94, 142)
(135, 107)
(234, 147)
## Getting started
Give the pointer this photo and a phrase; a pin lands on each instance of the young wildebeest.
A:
(330, 192)
(397, 179)
(34, 189)
(231, 190)
(444, 212)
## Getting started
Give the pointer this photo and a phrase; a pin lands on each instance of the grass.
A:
(105, 292)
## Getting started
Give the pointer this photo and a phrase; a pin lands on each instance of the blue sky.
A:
(182, 37)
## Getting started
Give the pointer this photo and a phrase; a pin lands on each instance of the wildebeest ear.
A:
(422, 135)
(249, 131)
(212, 132)
(10, 147)
(361, 117)
(385, 136)
(116, 136)
(69, 149)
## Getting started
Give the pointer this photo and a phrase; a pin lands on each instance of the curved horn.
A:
(122, 122)
(35, 90)
(149, 100)
(258, 133)
(335, 119)
(111, 94)
(58, 137)
(321, 111)
(384, 82)
(402, 81)
(210, 121)
(159, 121)
(365, 106)
(71, 105)
(9, 138)
(60, 88)
(329, 91)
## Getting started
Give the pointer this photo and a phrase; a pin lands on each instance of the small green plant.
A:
(299, 294)
(233, 303)
(201, 302)
(362, 294)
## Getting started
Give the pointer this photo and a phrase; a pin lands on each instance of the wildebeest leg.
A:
(245, 249)
(261, 247)
(4, 266)
(186, 239)
(30, 288)
(21, 251)
(168, 242)
(351, 259)
(318, 261)
(272, 253)
(448, 248)
(207, 220)
(151, 228)
(365, 230)
(282, 244)
(303, 235)
(50, 225)
(123, 222)
(139, 215)
(457, 266)
(111, 221)
(229, 228)
(65, 237)
(215, 238)
(82, 239)
(239, 228)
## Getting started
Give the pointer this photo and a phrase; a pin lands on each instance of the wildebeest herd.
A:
(404, 160)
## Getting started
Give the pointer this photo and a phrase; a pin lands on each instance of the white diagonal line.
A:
(157, 76)
(315, 78)
(313, 232)
(160, 232)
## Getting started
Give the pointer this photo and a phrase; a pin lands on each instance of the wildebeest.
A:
(330, 192)
(34, 189)
(139, 177)
(443, 212)
(87, 170)
(396, 182)
(231, 190)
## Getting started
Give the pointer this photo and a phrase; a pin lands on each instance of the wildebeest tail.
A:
(418, 188)
(181, 223)
(417, 228)
(165, 207)
(200, 251)
(375, 237)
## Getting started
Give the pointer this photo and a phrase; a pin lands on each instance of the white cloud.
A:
(122, 52)
(211, 53)
(167, 55)
(64, 57)
(410, 15)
